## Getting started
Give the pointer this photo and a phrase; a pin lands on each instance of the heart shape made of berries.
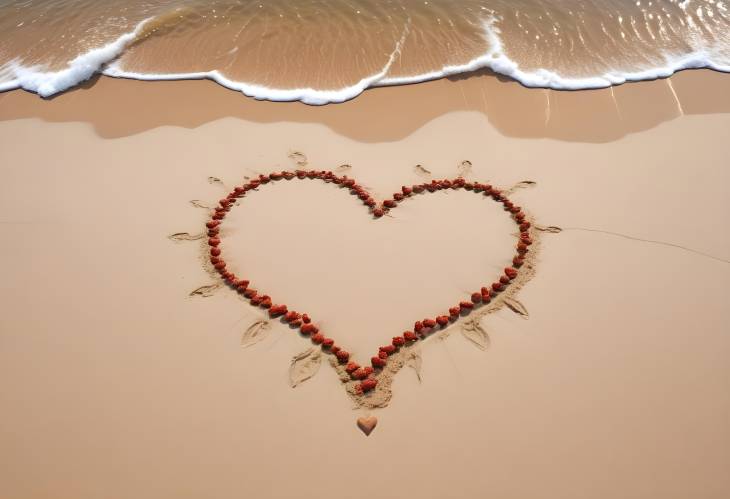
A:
(365, 379)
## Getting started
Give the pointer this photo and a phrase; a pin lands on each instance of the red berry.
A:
(360, 373)
(377, 362)
(476, 297)
(388, 349)
(510, 272)
(518, 261)
(378, 212)
(418, 326)
(215, 251)
(406, 190)
(429, 323)
(368, 384)
(318, 338)
(410, 336)
(352, 366)
(306, 319)
(497, 286)
(308, 328)
(398, 341)
(291, 316)
(442, 320)
(220, 265)
(328, 343)
(277, 310)
(466, 305)
(212, 224)
(504, 279)
(454, 311)
(389, 203)
(343, 356)
(214, 241)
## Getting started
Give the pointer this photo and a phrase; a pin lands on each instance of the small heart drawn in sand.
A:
(367, 425)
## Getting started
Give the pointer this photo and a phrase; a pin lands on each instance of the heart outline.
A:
(370, 376)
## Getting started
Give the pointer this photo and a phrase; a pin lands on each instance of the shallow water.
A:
(321, 51)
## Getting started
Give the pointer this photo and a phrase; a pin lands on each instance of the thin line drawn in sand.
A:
(420, 170)
(206, 291)
(185, 236)
(650, 241)
(200, 204)
(376, 392)
(523, 184)
(550, 228)
(343, 168)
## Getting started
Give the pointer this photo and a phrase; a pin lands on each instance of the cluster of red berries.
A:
(421, 329)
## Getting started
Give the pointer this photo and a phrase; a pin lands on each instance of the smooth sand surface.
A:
(115, 383)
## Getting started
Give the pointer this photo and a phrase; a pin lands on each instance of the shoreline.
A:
(514, 110)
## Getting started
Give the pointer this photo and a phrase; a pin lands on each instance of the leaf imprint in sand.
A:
(199, 204)
(516, 306)
(299, 158)
(184, 236)
(205, 291)
(474, 332)
(255, 333)
(304, 366)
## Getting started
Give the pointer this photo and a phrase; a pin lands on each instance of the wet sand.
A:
(116, 383)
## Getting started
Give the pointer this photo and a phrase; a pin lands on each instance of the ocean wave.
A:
(103, 60)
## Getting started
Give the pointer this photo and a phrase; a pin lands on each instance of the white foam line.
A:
(83, 67)
(101, 60)
(307, 95)
(497, 61)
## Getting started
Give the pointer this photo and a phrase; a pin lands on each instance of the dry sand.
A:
(114, 382)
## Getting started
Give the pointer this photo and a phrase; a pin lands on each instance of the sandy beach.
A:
(116, 382)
